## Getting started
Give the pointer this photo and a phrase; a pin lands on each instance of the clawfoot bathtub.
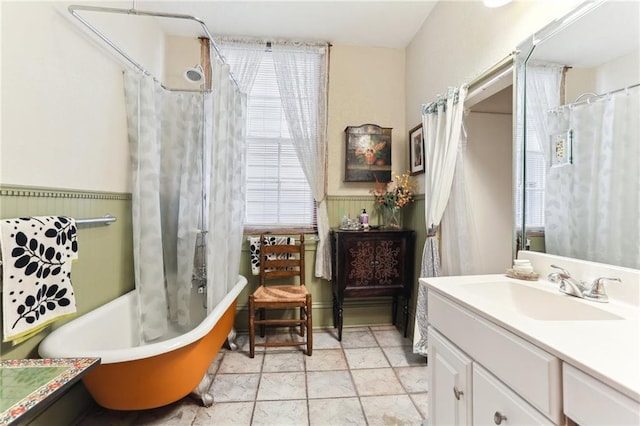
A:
(136, 377)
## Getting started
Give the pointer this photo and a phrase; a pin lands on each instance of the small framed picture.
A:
(416, 150)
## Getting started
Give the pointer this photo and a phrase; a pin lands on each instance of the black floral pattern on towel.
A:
(43, 254)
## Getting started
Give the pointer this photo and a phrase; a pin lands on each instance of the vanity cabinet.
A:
(588, 401)
(510, 377)
(495, 403)
(372, 263)
(450, 379)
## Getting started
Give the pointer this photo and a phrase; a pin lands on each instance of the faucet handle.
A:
(597, 292)
(563, 271)
(558, 276)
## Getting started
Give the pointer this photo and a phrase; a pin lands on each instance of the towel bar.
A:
(106, 220)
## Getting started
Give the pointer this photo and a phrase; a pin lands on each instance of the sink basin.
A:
(539, 304)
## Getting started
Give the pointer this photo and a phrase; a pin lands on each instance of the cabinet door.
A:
(450, 390)
(495, 404)
(375, 265)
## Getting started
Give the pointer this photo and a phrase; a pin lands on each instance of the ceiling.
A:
(365, 23)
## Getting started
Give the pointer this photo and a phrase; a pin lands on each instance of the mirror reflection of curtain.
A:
(593, 204)
(543, 87)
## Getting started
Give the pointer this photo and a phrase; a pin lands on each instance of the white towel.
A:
(36, 273)
(254, 249)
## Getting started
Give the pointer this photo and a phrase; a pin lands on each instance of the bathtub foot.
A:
(201, 392)
(231, 339)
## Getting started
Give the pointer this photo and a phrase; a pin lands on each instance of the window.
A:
(278, 194)
(533, 188)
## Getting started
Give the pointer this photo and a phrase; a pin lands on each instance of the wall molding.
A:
(42, 192)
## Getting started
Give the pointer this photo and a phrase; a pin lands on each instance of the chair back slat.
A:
(281, 260)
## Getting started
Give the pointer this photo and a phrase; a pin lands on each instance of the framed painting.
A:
(416, 150)
(368, 153)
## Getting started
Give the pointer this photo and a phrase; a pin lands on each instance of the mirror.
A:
(577, 136)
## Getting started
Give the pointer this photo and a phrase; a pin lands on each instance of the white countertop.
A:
(608, 350)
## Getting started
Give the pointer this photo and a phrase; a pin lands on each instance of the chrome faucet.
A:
(596, 292)
(577, 288)
(568, 284)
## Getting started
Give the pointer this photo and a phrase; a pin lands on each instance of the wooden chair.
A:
(281, 265)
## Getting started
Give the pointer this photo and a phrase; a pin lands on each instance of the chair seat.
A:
(281, 293)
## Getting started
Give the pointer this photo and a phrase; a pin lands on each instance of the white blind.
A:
(533, 205)
(278, 194)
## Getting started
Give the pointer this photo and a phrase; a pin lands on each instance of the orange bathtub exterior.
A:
(159, 380)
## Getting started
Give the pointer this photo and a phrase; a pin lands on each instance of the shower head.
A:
(194, 75)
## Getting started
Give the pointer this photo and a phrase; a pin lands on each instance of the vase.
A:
(391, 218)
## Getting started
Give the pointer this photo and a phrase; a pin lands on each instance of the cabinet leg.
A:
(405, 317)
(394, 310)
(335, 312)
(340, 323)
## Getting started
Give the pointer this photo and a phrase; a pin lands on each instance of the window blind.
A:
(278, 194)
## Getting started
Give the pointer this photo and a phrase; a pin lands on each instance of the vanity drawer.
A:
(531, 372)
(588, 401)
(494, 403)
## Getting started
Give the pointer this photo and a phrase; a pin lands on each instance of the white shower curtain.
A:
(226, 194)
(591, 208)
(165, 134)
(188, 162)
(442, 124)
(460, 252)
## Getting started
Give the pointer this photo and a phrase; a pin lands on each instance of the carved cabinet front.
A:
(372, 263)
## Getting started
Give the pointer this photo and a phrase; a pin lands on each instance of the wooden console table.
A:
(372, 263)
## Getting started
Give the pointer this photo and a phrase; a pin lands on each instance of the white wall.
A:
(366, 85)
(63, 112)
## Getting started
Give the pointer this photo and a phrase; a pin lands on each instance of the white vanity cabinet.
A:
(512, 381)
(450, 393)
(588, 401)
(496, 404)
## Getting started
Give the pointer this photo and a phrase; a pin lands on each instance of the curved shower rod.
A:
(74, 8)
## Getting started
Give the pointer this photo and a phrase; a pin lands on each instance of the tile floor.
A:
(372, 377)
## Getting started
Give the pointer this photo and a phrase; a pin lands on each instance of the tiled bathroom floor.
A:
(372, 377)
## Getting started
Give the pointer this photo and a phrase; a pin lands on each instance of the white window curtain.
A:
(442, 124)
(304, 102)
(305, 106)
(592, 204)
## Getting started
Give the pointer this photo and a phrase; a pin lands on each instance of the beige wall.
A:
(488, 175)
(366, 85)
(63, 113)
(180, 53)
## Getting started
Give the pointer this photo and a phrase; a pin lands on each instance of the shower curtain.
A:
(591, 205)
(187, 156)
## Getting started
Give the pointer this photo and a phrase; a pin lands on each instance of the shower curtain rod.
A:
(73, 11)
(593, 98)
